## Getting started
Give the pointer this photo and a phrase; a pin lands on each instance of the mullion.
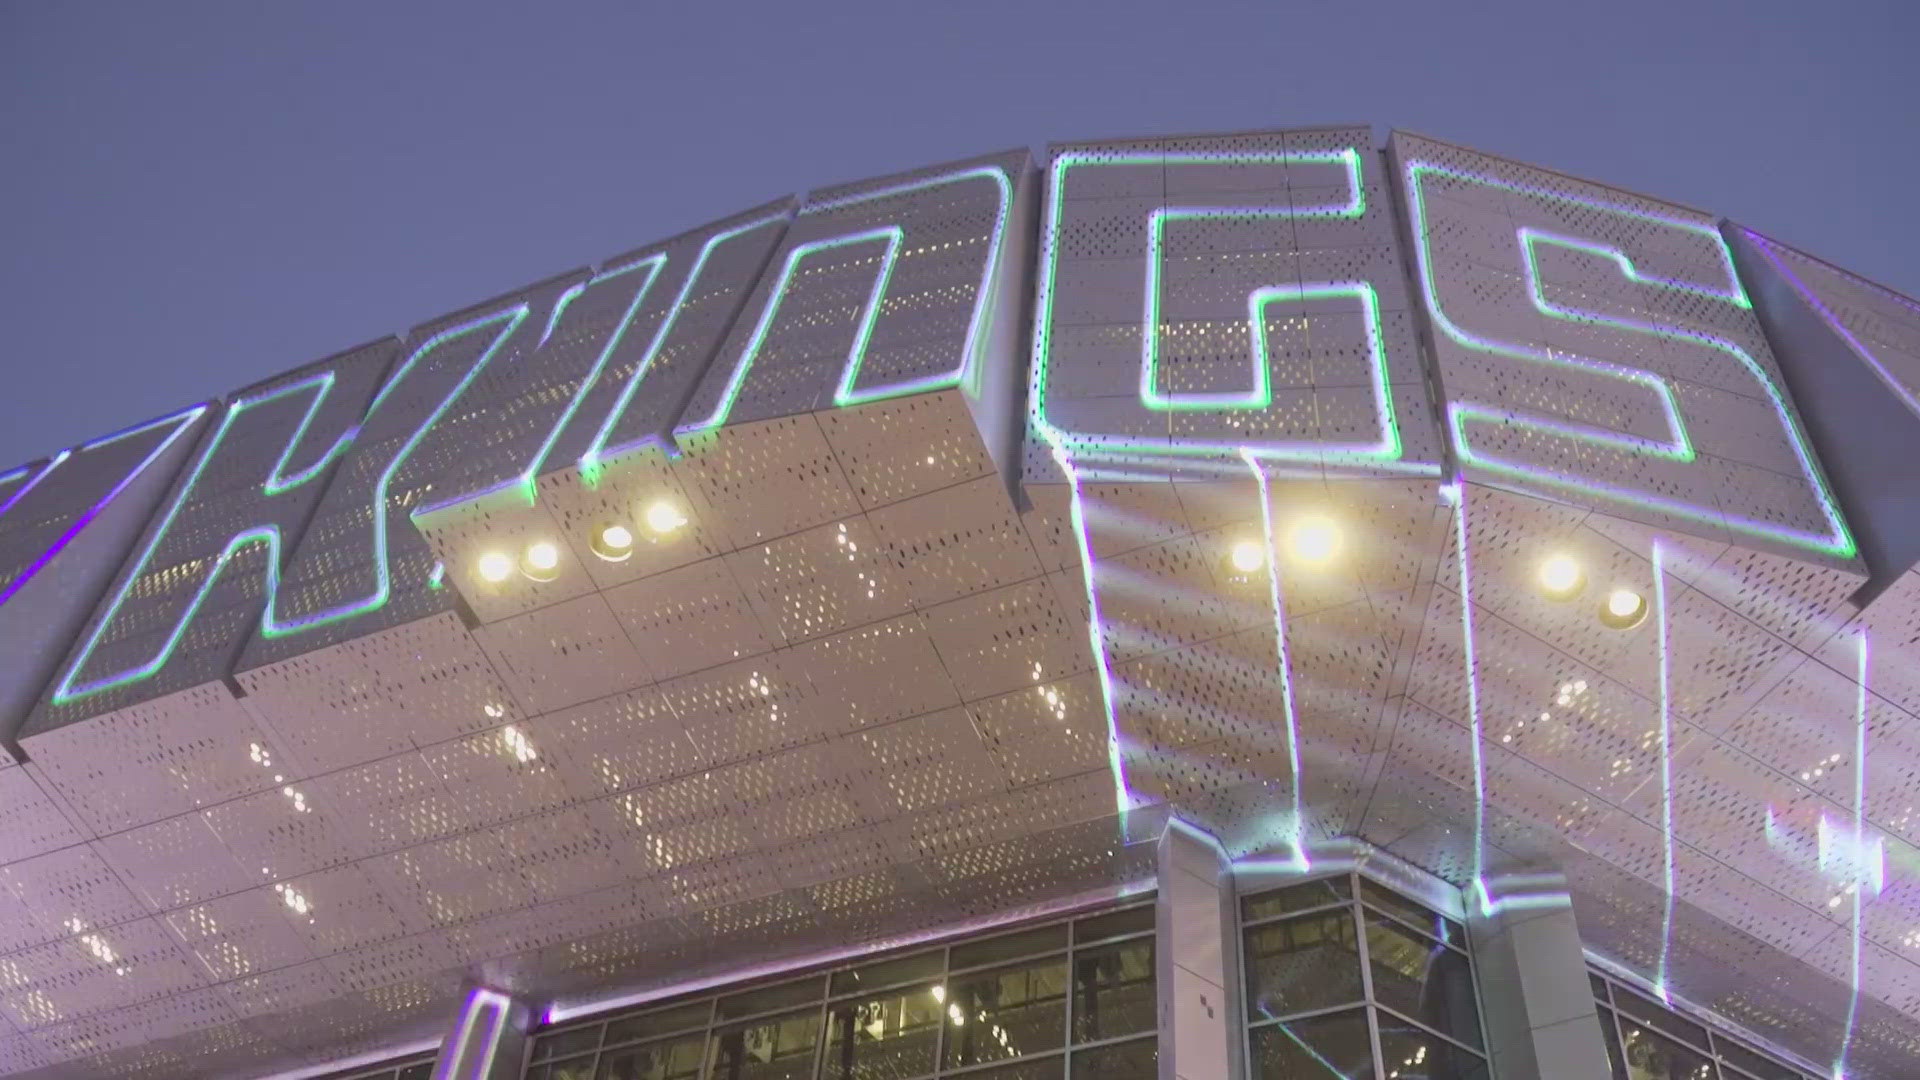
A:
(1425, 933)
(1307, 1014)
(1358, 915)
(826, 1000)
(946, 980)
(1066, 1033)
(1398, 1015)
(1249, 924)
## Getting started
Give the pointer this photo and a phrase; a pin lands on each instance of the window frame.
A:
(1612, 1016)
(1357, 908)
(1071, 945)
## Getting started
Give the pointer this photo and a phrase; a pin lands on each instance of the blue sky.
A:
(194, 196)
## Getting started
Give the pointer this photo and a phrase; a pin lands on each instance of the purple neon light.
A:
(186, 418)
(1773, 251)
(463, 1061)
(558, 1013)
(1122, 795)
(1278, 600)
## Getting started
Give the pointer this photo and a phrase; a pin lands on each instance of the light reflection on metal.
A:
(1276, 599)
(476, 1042)
(1658, 557)
(1863, 869)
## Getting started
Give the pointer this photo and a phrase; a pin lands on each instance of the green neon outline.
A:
(1390, 450)
(597, 455)
(527, 483)
(66, 692)
(845, 392)
(1839, 544)
(270, 625)
(869, 315)
(277, 483)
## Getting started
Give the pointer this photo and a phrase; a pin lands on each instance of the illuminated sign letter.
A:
(207, 565)
(362, 558)
(879, 290)
(1598, 344)
(1227, 295)
(65, 525)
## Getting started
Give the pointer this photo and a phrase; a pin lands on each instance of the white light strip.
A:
(560, 1012)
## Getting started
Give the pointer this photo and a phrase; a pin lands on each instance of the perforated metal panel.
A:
(1210, 295)
(1882, 326)
(1598, 346)
(65, 525)
(598, 377)
(881, 288)
(195, 590)
(841, 686)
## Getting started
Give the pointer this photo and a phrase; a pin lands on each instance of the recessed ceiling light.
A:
(1561, 577)
(613, 543)
(541, 562)
(1623, 609)
(494, 567)
(663, 517)
(1247, 556)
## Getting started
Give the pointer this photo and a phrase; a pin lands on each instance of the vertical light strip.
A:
(1459, 491)
(463, 1061)
(185, 420)
(1862, 872)
(1122, 795)
(1666, 764)
(1301, 862)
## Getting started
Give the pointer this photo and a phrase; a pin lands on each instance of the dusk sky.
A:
(195, 196)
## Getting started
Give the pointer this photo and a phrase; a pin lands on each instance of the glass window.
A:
(1304, 963)
(655, 1024)
(1009, 946)
(1608, 1035)
(1656, 1057)
(1113, 991)
(886, 1035)
(777, 1048)
(1136, 1060)
(994, 1015)
(900, 1016)
(1101, 927)
(1422, 980)
(1328, 1047)
(1599, 987)
(1408, 911)
(1311, 894)
(669, 1059)
(1763, 1067)
(421, 1071)
(768, 998)
(1659, 1016)
(562, 1043)
(904, 969)
(1047, 1068)
(1407, 1051)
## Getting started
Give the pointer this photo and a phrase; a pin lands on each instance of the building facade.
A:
(1269, 604)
